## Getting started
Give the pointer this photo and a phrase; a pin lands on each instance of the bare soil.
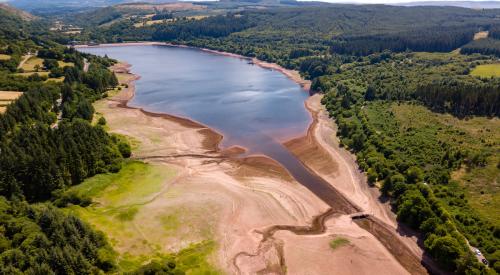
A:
(263, 220)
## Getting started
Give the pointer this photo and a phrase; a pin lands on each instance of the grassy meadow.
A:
(31, 63)
(131, 208)
(487, 70)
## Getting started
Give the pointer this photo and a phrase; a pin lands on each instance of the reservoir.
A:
(250, 106)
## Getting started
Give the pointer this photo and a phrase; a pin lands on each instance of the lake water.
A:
(251, 106)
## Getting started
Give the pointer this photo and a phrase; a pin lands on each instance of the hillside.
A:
(20, 13)
(348, 29)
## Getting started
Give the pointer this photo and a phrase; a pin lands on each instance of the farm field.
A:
(31, 63)
(487, 70)
(4, 57)
(6, 97)
(63, 64)
(26, 74)
(151, 22)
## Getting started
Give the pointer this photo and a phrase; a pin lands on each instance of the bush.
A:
(101, 121)
(125, 149)
(72, 198)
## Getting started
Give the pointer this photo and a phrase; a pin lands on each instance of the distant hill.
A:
(463, 4)
(24, 15)
(57, 6)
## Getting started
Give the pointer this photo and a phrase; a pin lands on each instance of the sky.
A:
(365, 1)
(389, 1)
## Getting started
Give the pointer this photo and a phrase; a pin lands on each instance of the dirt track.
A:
(264, 221)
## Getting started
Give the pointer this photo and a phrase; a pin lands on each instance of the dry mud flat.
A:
(262, 220)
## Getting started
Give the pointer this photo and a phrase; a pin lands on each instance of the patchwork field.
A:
(487, 70)
(6, 97)
(63, 64)
(34, 65)
(151, 22)
(31, 63)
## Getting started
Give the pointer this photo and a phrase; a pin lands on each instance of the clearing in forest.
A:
(481, 35)
(31, 63)
(487, 70)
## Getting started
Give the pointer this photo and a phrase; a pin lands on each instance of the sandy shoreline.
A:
(195, 147)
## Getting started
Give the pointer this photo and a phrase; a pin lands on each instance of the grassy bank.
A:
(137, 231)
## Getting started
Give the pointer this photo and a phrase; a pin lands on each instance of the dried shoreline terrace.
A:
(264, 220)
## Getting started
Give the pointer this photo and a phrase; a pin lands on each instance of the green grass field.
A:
(26, 74)
(487, 70)
(63, 64)
(131, 208)
(134, 184)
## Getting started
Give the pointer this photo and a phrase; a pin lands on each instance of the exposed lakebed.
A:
(250, 106)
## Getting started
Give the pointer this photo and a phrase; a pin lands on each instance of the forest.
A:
(343, 28)
(43, 155)
(413, 162)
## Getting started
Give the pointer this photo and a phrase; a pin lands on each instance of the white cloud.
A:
(389, 1)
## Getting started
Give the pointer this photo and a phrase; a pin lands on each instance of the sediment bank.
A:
(255, 193)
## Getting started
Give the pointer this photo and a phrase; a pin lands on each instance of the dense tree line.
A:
(484, 46)
(283, 34)
(430, 40)
(41, 156)
(406, 166)
(162, 16)
(33, 106)
(38, 160)
(494, 31)
(403, 159)
(216, 26)
(40, 239)
(461, 99)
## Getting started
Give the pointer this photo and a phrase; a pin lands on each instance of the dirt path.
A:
(25, 58)
(262, 219)
(86, 65)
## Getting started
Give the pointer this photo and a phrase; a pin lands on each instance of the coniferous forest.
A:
(47, 144)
